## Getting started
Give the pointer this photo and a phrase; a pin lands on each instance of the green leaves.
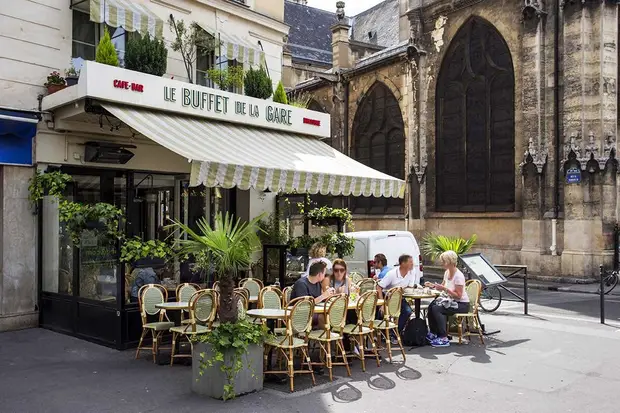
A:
(51, 183)
(135, 249)
(257, 83)
(325, 213)
(434, 245)
(279, 95)
(230, 77)
(146, 55)
(106, 53)
(101, 218)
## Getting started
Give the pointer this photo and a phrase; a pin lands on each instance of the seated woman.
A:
(454, 286)
(339, 280)
(318, 252)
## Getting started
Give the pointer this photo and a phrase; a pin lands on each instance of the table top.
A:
(352, 305)
(267, 313)
(174, 305)
(419, 294)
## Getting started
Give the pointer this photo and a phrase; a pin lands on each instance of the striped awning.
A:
(133, 17)
(235, 47)
(228, 155)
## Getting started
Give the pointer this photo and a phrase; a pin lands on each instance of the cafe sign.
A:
(126, 87)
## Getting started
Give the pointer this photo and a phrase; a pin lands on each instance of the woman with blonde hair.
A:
(318, 252)
(454, 286)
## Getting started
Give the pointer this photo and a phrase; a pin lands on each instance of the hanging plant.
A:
(326, 215)
(135, 249)
(339, 244)
(102, 218)
(51, 183)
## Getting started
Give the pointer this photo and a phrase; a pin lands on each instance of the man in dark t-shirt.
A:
(310, 286)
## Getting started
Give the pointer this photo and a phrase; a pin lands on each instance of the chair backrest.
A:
(286, 296)
(356, 277)
(244, 291)
(149, 296)
(299, 317)
(473, 288)
(367, 284)
(216, 286)
(393, 302)
(270, 297)
(203, 307)
(367, 307)
(252, 284)
(242, 302)
(336, 312)
(185, 291)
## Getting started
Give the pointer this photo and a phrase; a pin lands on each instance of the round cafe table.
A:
(267, 313)
(174, 306)
(417, 296)
(351, 305)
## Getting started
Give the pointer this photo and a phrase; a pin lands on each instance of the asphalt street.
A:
(558, 359)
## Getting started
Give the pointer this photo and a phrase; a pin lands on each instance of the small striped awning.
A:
(235, 47)
(133, 17)
(228, 155)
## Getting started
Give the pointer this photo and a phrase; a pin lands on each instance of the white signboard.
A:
(482, 269)
(127, 87)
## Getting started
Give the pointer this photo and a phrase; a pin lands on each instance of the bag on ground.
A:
(414, 334)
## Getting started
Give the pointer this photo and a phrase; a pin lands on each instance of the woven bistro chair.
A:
(271, 298)
(183, 293)
(286, 296)
(253, 285)
(149, 296)
(367, 284)
(242, 302)
(473, 288)
(393, 303)
(298, 320)
(364, 329)
(335, 320)
(202, 309)
(356, 277)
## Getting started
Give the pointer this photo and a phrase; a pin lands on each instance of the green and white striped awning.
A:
(238, 48)
(228, 155)
(133, 17)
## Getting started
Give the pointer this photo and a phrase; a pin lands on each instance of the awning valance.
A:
(133, 17)
(235, 47)
(228, 155)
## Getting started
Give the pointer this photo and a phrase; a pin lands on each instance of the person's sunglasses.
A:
(339, 270)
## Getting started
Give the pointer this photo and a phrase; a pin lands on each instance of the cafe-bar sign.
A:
(126, 87)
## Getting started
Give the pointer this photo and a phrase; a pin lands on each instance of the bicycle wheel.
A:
(491, 298)
(609, 282)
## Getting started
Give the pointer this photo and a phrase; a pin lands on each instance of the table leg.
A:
(417, 306)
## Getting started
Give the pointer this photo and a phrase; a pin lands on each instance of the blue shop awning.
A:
(17, 130)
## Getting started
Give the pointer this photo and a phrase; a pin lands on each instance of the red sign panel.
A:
(313, 122)
(123, 84)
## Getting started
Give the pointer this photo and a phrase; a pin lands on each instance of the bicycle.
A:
(610, 280)
(490, 298)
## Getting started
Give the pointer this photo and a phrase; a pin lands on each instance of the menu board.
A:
(482, 269)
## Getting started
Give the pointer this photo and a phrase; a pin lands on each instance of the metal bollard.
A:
(602, 294)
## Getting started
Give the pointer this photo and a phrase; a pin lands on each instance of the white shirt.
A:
(458, 279)
(394, 279)
(313, 260)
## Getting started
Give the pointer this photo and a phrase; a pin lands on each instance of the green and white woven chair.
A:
(183, 293)
(286, 296)
(335, 320)
(202, 310)
(298, 320)
(149, 296)
(392, 307)
(364, 329)
(356, 277)
(473, 288)
(253, 285)
(367, 284)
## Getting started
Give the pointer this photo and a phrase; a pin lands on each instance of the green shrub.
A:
(146, 55)
(434, 245)
(258, 84)
(280, 95)
(106, 53)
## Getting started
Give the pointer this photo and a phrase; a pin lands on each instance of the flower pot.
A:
(54, 88)
(72, 80)
(211, 383)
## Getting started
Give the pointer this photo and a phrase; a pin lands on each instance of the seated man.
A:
(401, 276)
(310, 286)
(381, 265)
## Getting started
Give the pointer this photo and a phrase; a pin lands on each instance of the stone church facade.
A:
(502, 116)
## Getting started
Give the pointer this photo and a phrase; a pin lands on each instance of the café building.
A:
(162, 149)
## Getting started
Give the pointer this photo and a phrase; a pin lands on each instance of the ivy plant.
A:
(339, 244)
(134, 249)
(101, 218)
(303, 241)
(229, 344)
(324, 213)
(51, 183)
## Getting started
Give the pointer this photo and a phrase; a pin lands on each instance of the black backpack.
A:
(414, 334)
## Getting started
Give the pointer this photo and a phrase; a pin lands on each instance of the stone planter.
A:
(211, 383)
(54, 88)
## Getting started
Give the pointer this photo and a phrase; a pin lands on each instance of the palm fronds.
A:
(434, 245)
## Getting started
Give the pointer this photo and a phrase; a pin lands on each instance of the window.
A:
(86, 36)
(205, 60)
(475, 123)
(379, 142)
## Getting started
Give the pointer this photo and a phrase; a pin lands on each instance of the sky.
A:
(352, 7)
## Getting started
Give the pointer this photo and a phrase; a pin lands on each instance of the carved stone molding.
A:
(589, 151)
(419, 171)
(535, 154)
(533, 8)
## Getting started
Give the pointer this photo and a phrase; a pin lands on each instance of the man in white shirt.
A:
(401, 276)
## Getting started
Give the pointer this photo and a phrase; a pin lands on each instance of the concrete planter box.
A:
(211, 383)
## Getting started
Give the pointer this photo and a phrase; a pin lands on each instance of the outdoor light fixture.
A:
(107, 152)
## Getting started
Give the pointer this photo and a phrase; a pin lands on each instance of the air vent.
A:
(106, 152)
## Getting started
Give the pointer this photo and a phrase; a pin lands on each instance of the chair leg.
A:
(340, 344)
(144, 331)
(328, 361)
(154, 345)
(291, 371)
(305, 355)
(460, 327)
(374, 348)
(477, 326)
(388, 340)
(361, 344)
(174, 342)
(400, 344)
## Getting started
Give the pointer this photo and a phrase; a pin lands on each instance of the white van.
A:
(392, 244)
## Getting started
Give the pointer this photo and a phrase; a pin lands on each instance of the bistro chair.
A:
(364, 329)
(149, 296)
(298, 321)
(393, 302)
(184, 292)
(242, 301)
(335, 320)
(244, 291)
(253, 285)
(216, 286)
(367, 284)
(473, 288)
(202, 309)
(271, 298)
(286, 296)
(356, 277)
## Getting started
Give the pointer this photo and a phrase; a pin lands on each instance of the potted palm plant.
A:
(434, 245)
(230, 357)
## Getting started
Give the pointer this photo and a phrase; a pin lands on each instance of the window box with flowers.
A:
(54, 83)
